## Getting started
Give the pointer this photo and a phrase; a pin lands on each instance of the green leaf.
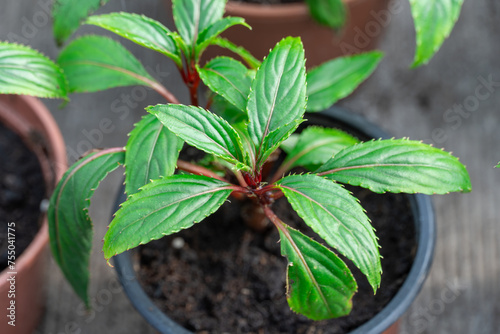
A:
(278, 93)
(338, 218)
(151, 152)
(68, 14)
(330, 13)
(141, 30)
(337, 78)
(207, 36)
(202, 129)
(398, 165)
(246, 56)
(288, 144)
(319, 284)
(228, 78)
(273, 140)
(434, 20)
(163, 207)
(70, 227)
(27, 72)
(93, 63)
(315, 146)
(193, 16)
(236, 117)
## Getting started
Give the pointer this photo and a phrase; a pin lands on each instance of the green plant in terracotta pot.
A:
(33, 159)
(433, 21)
(255, 110)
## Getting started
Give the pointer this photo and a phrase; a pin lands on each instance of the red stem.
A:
(193, 84)
(198, 170)
(271, 191)
(165, 93)
(240, 178)
(273, 218)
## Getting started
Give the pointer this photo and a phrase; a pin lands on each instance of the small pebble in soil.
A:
(178, 243)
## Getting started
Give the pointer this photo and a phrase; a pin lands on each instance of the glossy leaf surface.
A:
(193, 16)
(161, 208)
(94, 63)
(25, 71)
(70, 227)
(434, 20)
(202, 129)
(273, 140)
(315, 146)
(236, 117)
(319, 284)
(68, 14)
(277, 95)
(338, 218)
(337, 78)
(398, 165)
(151, 152)
(206, 37)
(141, 30)
(228, 78)
(246, 56)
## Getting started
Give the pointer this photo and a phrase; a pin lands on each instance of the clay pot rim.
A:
(58, 155)
(280, 12)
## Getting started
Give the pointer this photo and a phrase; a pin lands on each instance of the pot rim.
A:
(280, 12)
(272, 10)
(57, 155)
(426, 236)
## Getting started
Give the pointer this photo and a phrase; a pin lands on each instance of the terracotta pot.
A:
(386, 321)
(270, 23)
(29, 118)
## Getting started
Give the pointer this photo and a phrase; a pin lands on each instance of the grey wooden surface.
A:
(452, 103)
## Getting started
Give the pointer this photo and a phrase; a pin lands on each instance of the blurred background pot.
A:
(367, 20)
(30, 119)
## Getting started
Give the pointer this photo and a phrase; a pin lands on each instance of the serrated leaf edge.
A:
(58, 69)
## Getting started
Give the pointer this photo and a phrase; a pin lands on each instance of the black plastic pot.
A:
(424, 226)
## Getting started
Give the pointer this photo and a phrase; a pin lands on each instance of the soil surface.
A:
(221, 277)
(21, 191)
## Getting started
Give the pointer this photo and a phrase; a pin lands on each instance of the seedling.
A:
(257, 108)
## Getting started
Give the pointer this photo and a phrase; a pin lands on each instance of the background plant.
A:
(433, 20)
(25, 71)
(259, 105)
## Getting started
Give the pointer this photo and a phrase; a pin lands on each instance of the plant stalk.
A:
(198, 170)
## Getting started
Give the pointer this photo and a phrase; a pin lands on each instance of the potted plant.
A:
(33, 160)
(257, 108)
(332, 28)
(328, 28)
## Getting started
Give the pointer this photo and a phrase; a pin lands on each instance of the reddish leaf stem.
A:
(274, 219)
(164, 92)
(240, 178)
(198, 170)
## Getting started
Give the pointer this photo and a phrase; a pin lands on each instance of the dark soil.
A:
(21, 190)
(221, 277)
